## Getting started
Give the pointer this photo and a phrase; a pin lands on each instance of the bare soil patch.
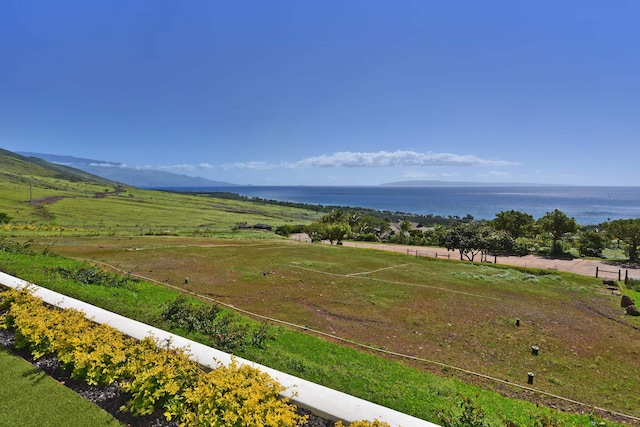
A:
(47, 200)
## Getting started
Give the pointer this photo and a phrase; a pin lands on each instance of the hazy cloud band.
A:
(397, 158)
(348, 159)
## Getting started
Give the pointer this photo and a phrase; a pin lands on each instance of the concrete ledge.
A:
(321, 400)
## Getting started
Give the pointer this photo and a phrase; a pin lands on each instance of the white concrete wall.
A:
(320, 400)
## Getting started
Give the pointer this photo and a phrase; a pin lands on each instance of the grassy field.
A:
(445, 315)
(29, 397)
(50, 203)
(416, 334)
(144, 212)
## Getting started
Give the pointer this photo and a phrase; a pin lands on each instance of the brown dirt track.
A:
(584, 267)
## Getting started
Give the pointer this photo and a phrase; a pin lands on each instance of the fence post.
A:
(626, 276)
(596, 271)
(619, 275)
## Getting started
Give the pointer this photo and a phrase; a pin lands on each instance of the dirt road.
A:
(585, 267)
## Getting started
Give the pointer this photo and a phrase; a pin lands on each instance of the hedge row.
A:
(155, 375)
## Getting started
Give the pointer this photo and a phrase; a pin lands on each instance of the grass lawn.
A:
(393, 302)
(29, 397)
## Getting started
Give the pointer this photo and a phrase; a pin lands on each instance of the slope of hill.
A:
(44, 196)
(17, 166)
(122, 173)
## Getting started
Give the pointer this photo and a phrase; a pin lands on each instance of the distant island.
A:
(437, 183)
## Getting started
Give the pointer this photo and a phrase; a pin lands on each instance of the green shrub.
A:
(16, 247)
(223, 329)
(633, 284)
(469, 414)
(91, 275)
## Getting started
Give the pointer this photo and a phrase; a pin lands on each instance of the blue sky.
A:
(329, 92)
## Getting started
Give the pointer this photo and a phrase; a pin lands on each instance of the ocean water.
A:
(588, 205)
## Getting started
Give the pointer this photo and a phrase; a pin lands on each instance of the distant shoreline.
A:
(587, 204)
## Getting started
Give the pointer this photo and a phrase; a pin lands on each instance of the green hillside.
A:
(50, 198)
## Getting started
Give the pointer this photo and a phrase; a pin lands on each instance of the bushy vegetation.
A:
(469, 414)
(15, 247)
(287, 230)
(509, 233)
(222, 328)
(91, 275)
(154, 375)
(156, 378)
(633, 284)
(4, 218)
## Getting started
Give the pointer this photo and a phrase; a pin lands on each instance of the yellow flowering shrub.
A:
(237, 395)
(155, 376)
(158, 378)
(98, 355)
(93, 352)
(166, 378)
(36, 326)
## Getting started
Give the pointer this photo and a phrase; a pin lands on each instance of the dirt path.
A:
(585, 267)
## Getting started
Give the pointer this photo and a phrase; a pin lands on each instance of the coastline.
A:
(587, 204)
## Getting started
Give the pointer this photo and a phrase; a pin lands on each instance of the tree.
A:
(336, 215)
(367, 227)
(315, 231)
(466, 238)
(591, 243)
(516, 223)
(339, 224)
(557, 223)
(628, 231)
(331, 231)
(497, 242)
(337, 232)
(403, 235)
(405, 226)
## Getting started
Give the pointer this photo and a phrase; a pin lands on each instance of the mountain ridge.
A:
(121, 173)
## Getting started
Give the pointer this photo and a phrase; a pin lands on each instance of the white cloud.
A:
(106, 165)
(248, 166)
(397, 158)
(494, 174)
(345, 159)
(182, 167)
